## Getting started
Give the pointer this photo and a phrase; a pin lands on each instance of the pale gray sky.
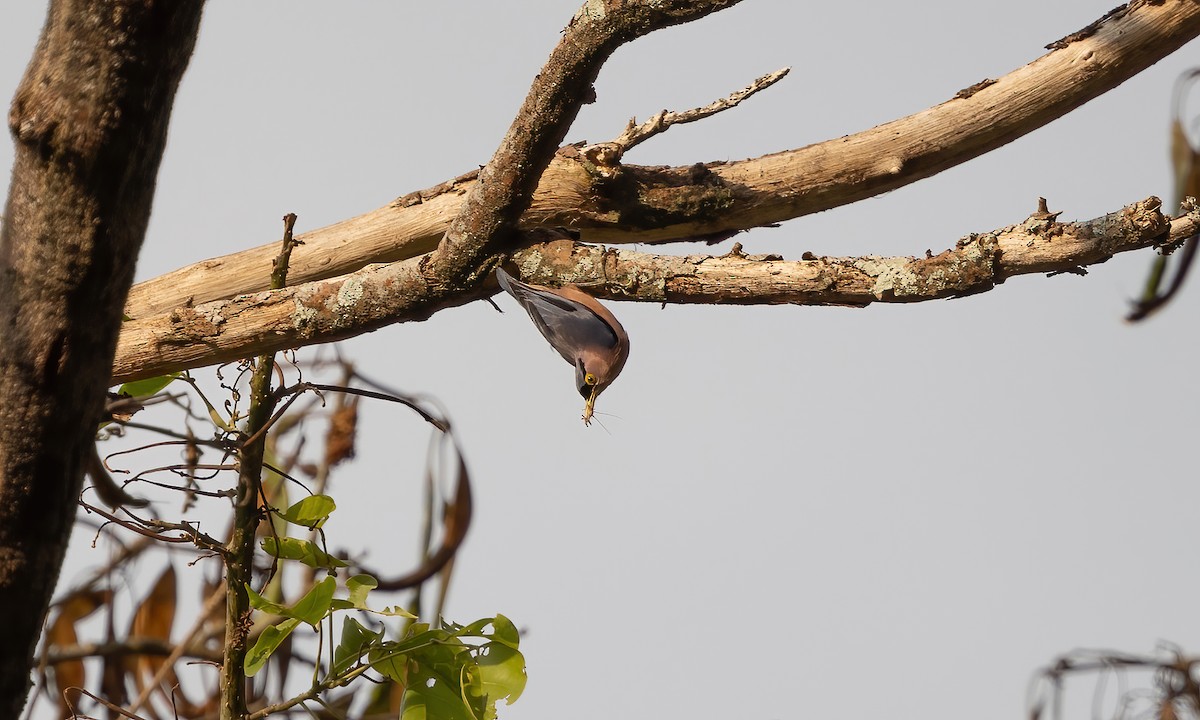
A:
(795, 512)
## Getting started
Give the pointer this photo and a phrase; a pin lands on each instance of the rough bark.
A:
(89, 122)
(612, 203)
(225, 330)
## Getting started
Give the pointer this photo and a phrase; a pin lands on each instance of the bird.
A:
(582, 330)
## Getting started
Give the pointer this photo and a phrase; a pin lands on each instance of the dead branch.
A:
(977, 263)
(317, 312)
(606, 157)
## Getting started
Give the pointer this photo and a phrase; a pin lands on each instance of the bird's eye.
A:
(590, 379)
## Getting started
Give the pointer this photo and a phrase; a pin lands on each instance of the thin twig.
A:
(635, 134)
(133, 526)
(113, 708)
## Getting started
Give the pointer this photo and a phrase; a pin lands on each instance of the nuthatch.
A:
(582, 330)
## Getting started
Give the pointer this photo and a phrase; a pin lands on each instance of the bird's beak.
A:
(588, 408)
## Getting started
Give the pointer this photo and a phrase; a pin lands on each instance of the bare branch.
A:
(977, 263)
(635, 135)
(130, 646)
(736, 195)
(317, 312)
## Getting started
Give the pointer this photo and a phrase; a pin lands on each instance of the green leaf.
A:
(475, 629)
(258, 602)
(431, 696)
(355, 640)
(421, 640)
(148, 386)
(505, 632)
(359, 586)
(311, 512)
(311, 608)
(287, 548)
(502, 671)
(388, 662)
(392, 658)
(447, 662)
(315, 604)
(395, 611)
(268, 642)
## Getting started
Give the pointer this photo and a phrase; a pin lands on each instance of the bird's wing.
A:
(567, 325)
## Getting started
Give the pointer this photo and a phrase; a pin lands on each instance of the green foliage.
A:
(312, 609)
(359, 586)
(268, 642)
(356, 639)
(288, 548)
(311, 512)
(147, 387)
(450, 672)
(447, 673)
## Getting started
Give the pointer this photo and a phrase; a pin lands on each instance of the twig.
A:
(279, 266)
(635, 134)
(190, 532)
(112, 708)
(138, 527)
(311, 694)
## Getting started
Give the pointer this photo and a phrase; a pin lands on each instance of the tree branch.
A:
(659, 204)
(224, 330)
(977, 263)
(607, 156)
(506, 184)
(131, 646)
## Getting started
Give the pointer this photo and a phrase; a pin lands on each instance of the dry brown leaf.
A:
(1185, 162)
(154, 619)
(61, 633)
(343, 424)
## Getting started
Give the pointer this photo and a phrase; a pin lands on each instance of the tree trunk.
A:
(89, 122)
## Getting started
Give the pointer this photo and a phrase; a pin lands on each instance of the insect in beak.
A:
(587, 409)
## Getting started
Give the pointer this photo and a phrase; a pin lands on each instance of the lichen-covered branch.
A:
(224, 330)
(977, 263)
(642, 204)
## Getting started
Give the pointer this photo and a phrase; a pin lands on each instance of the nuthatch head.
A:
(582, 330)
